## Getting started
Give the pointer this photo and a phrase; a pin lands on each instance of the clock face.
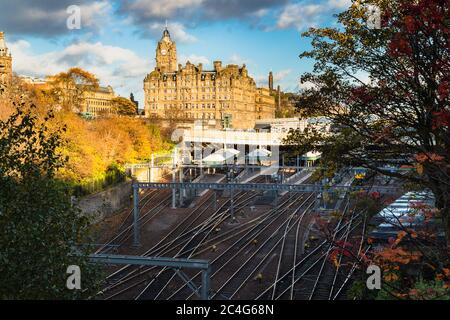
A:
(163, 52)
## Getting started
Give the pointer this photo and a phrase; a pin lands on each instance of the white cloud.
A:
(339, 4)
(261, 13)
(48, 18)
(304, 15)
(177, 32)
(161, 8)
(306, 85)
(121, 68)
(281, 75)
(195, 59)
(237, 59)
(279, 78)
(299, 15)
(95, 15)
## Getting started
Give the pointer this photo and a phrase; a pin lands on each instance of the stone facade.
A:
(5, 65)
(223, 97)
(93, 101)
(98, 101)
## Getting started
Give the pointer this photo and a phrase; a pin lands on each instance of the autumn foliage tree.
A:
(386, 91)
(124, 106)
(68, 87)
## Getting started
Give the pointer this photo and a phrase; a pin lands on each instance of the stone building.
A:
(90, 100)
(98, 101)
(5, 65)
(225, 97)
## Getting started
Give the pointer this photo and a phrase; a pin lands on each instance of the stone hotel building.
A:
(226, 97)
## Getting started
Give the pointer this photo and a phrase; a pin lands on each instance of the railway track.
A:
(259, 257)
(313, 276)
(244, 237)
(178, 240)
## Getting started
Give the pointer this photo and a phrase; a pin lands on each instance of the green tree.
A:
(386, 91)
(40, 227)
(124, 106)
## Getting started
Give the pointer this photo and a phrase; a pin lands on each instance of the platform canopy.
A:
(220, 156)
(311, 156)
(228, 150)
(259, 153)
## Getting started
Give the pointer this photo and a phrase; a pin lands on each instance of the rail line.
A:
(253, 232)
(169, 243)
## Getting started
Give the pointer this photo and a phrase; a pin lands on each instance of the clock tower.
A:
(166, 54)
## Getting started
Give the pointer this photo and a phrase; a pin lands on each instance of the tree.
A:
(124, 106)
(386, 92)
(287, 107)
(40, 227)
(69, 87)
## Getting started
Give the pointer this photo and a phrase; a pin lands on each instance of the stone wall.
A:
(105, 203)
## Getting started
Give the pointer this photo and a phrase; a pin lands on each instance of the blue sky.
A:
(117, 39)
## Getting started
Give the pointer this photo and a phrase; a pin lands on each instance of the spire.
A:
(166, 33)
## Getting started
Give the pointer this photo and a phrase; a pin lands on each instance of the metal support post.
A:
(276, 198)
(181, 189)
(174, 191)
(232, 203)
(215, 200)
(151, 168)
(206, 283)
(136, 240)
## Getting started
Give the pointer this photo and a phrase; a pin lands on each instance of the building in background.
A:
(225, 97)
(98, 101)
(36, 82)
(92, 102)
(5, 65)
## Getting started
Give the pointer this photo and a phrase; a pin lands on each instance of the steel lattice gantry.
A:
(173, 263)
(258, 186)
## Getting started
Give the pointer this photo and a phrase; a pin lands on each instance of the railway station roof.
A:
(259, 153)
(220, 156)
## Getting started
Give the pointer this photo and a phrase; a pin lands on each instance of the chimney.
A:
(217, 65)
(279, 97)
(271, 81)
